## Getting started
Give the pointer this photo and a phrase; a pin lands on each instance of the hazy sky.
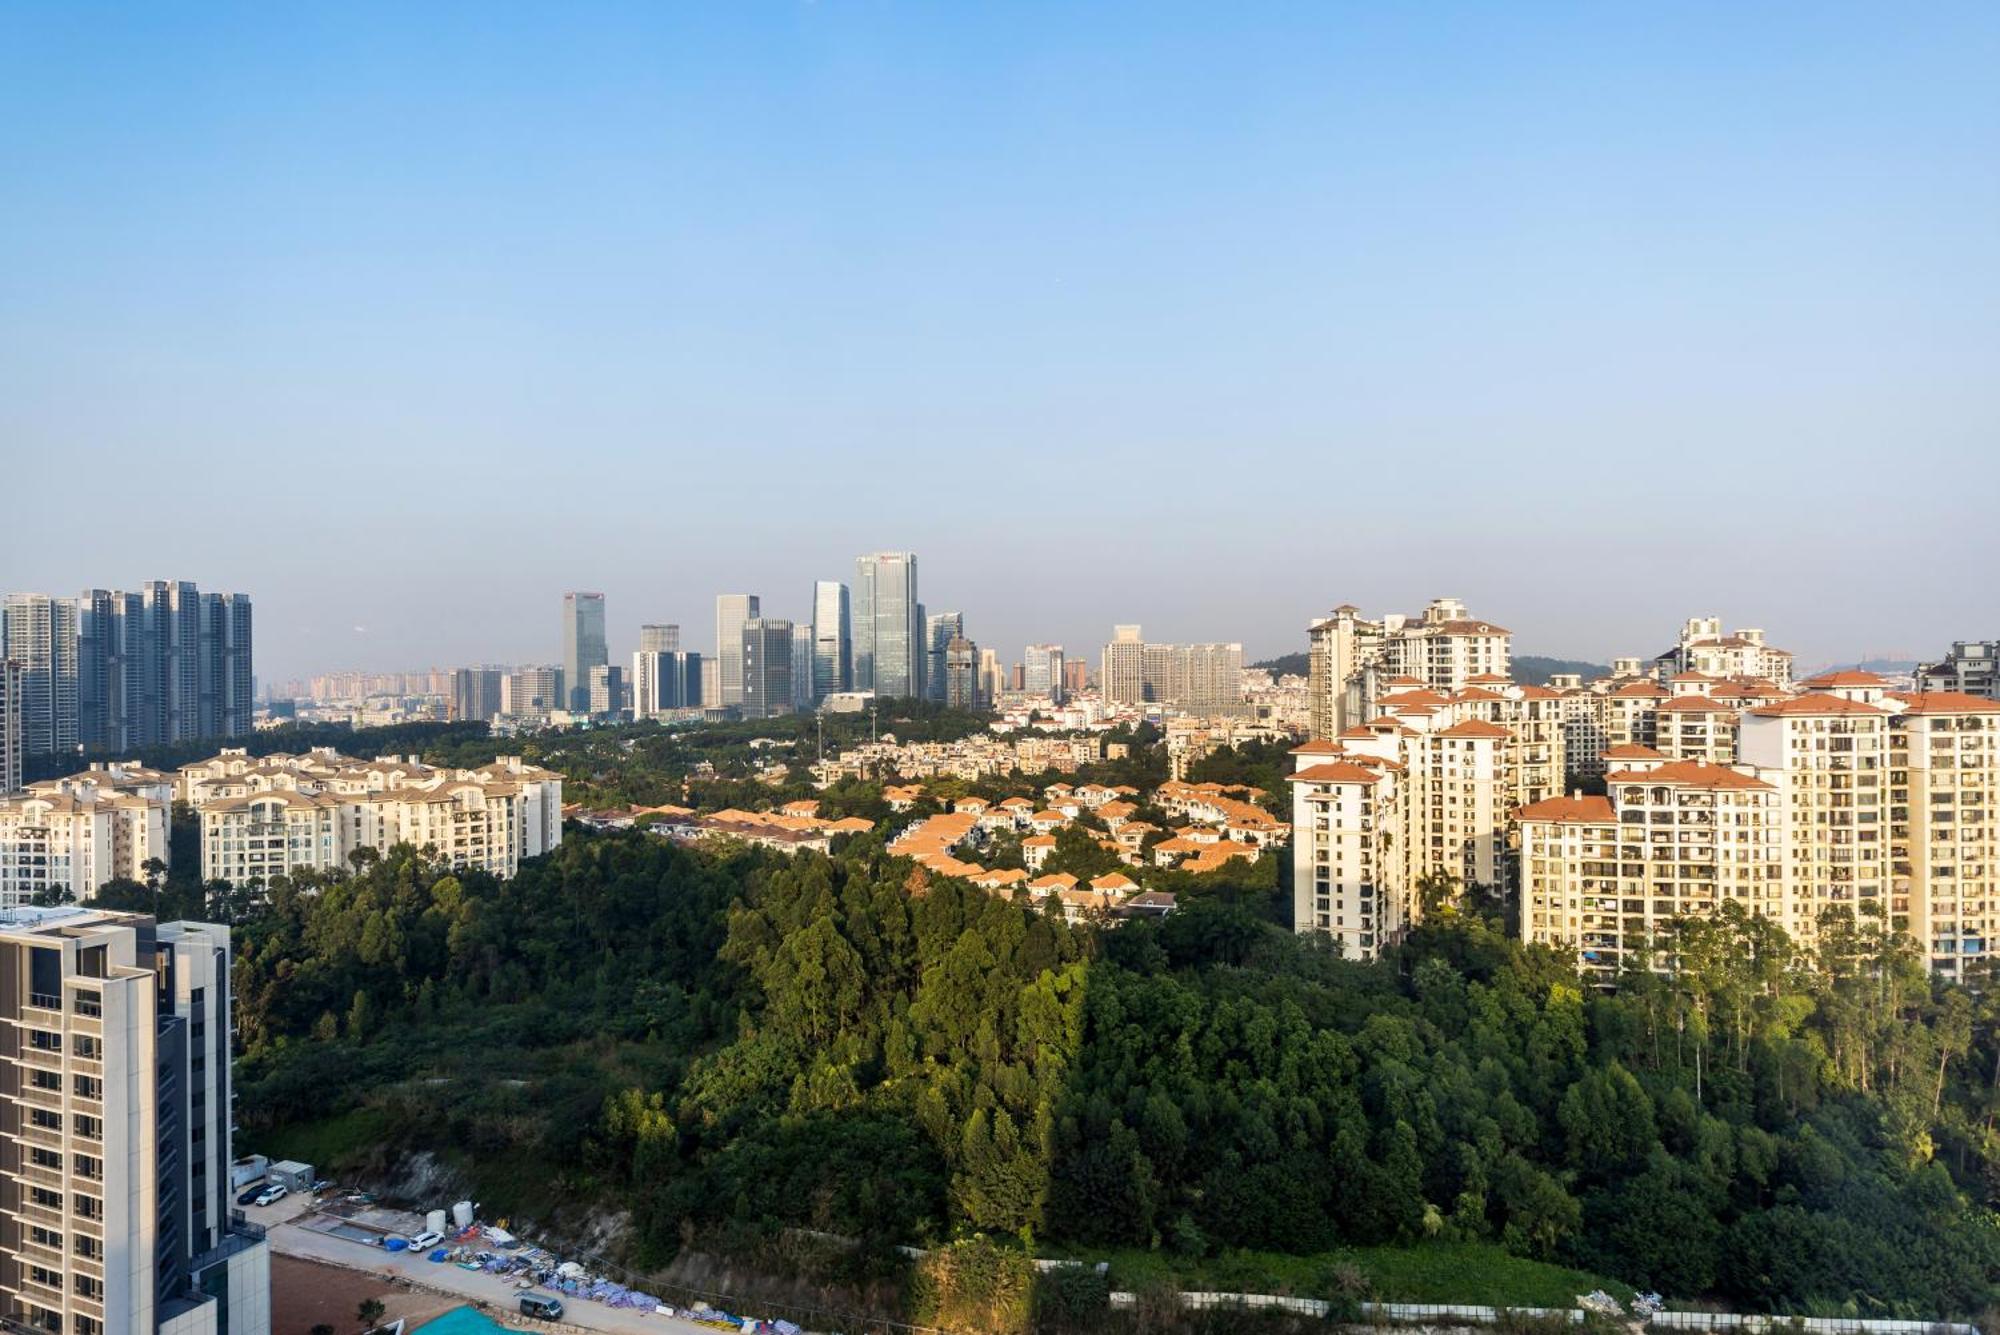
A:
(405, 318)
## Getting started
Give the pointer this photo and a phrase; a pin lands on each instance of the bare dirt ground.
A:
(309, 1293)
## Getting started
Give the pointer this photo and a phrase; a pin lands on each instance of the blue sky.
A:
(404, 319)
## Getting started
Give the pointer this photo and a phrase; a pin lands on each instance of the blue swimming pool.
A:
(462, 1321)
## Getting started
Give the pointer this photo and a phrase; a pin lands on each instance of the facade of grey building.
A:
(1972, 667)
(660, 639)
(732, 611)
(888, 626)
(115, 1212)
(39, 633)
(833, 640)
(584, 645)
(767, 667)
(1042, 671)
(607, 689)
(10, 725)
(940, 629)
(167, 663)
(961, 673)
(802, 666)
(475, 693)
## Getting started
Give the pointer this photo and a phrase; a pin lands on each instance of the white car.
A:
(271, 1195)
(423, 1242)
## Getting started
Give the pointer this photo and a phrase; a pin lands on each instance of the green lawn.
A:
(1457, 1272)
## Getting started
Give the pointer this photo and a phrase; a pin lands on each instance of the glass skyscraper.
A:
(833, 640)
(584, 646)
(888, 626)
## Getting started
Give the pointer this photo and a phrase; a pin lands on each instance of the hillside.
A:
(731, 1044)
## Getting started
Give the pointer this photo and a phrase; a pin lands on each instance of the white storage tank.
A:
(461, 1214)
(434, 1221)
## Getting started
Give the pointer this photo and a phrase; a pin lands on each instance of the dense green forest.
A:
(730, 1043)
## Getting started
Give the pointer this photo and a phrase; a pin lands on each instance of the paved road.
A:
(292, 1239)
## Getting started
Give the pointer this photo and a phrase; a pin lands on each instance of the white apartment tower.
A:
(115, 1214)
(1443, 648)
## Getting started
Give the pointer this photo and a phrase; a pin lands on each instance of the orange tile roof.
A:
(1850, 677)
(1629, 751)
(1473, 727)
(1318, 747)
(1694, 704)
(1691, 774)
(1339, 771)
(1948, 702)
(1815, 703)
(1640, 690)
(1570, 811)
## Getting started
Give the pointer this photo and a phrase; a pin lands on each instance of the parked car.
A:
(251, 1192)
(545, 1306)
(271, 1195)
(425, 1241)
(324, 1184)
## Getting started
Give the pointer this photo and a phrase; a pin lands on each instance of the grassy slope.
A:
(1477, 1273)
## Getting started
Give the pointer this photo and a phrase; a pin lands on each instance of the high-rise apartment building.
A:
(1076, 676)
(607, 690)
(10, 725)
(991, 684)
(659, 639)
(940, 629)
(833, 640)
(475, 693)
(1705, 649)
(732, 611)
(1971, 668)
(1123, 674)
(888, 625)
(1043, 671)
(1441, 649)
(39, 633)
(767, 667)
(166, 663)
(532, 693)
(115, 1212)
(1204, 679)
(584, 646)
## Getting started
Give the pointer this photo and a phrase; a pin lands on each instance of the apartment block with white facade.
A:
(66, 838)
(264, 817)
(115, 1213)
(1443, 648)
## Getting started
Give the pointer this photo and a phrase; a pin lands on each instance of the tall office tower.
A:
(39, 633)
(607, 689)
(803, 649)
(1042, 671)
(114, 1186)
(1017, 681)
(660, 639)
(961, 673)
(991, 683)
(1124, 672)
(888, 627)
(732, 612)
(940, 629)
(10, 725)
(475, 694)
(767, 667)
(531, 692)
(1076, 676)
(664, 680)
(833, 640)
(583, 645)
